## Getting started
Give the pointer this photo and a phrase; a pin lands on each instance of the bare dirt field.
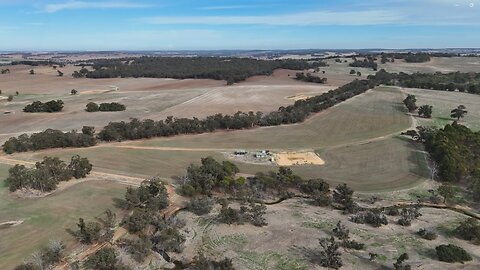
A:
(298, 158)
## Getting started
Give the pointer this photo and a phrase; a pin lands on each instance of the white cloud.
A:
(369, 17)
(51, 8)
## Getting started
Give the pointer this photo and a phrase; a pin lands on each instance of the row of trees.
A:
(47, 174)
(50, 138)
(218, 68)
(50, 106)
(105, 107)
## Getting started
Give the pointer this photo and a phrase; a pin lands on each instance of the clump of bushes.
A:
(253, 214)
(428, 235)
(49, 107)
(201, 206)
(105, 107)
(407, 215)
(452, 253)
(371, 217)
(469, 230)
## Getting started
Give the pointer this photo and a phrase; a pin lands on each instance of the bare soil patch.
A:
(297, 158)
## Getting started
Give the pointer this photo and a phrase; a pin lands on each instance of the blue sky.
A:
(237, 24)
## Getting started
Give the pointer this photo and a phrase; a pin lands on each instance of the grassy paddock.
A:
(443, 102)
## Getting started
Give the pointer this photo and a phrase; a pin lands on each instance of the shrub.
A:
(374, 218)
(201, 206)
(92, 107)
(469, 230)
(451, 253)
(428, 235)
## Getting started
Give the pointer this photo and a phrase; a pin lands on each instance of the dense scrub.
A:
(229, 69)
(47, 174)
(50, 106)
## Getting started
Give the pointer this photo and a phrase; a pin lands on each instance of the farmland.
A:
(356, 142)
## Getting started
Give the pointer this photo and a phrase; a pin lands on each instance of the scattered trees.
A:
(368, 62)
(50, 106)
(32, 72)
(59, 73)
(10, 98)
(425, 111)
(452, 253)
(73, 92)
(104, 259)
(342, 196)
(407, 215)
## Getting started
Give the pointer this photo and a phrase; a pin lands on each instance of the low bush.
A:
(451, 253)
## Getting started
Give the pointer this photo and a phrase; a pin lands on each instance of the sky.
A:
(72, 25)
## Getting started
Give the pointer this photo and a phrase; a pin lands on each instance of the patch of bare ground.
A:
(298, 158)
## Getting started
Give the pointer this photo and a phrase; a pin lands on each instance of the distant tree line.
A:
(105, 107)
(47, 174)
(454, 81)
(368, 62)
(231, 70)
(50, 106)
(300, 76)
(35, 63)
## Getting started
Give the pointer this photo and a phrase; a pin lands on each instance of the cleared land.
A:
(443, 102)
(297, 158)
(376, 113)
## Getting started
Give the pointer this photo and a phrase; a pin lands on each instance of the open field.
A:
(48, 218)
(443, 102)
(145, 98)
(376, 113)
